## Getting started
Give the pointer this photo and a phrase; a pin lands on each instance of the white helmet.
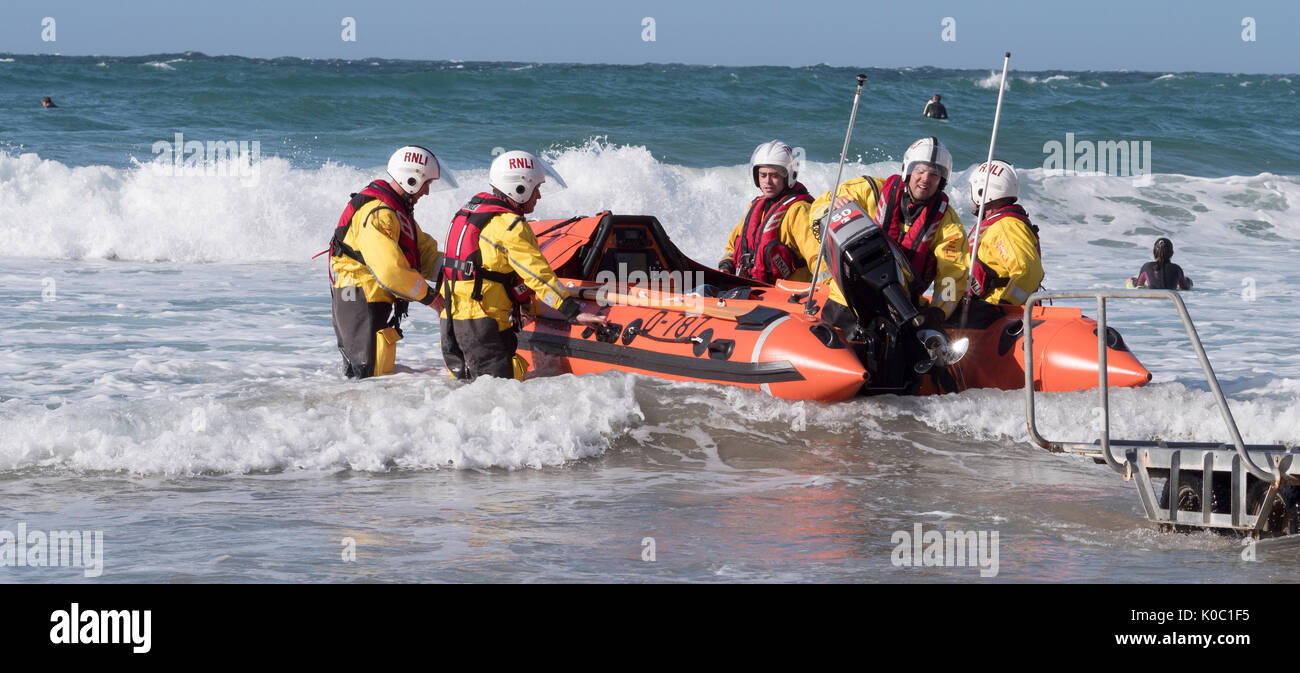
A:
(412, 166)
(928, 151)
(517, 175)
(1002, 179)
(778, 155)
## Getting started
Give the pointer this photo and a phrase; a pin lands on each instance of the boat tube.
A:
(674, 318)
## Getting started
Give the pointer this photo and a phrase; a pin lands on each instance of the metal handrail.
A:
(1103, 380)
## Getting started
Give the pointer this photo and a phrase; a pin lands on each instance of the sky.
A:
(1198, 35)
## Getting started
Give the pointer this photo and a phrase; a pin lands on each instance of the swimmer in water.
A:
(1161, 274)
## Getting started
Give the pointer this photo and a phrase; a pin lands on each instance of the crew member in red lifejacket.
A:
(913, 213)
(1009, 266)
(492, 269)
(773, 240)
(913, 210)
(381, 261)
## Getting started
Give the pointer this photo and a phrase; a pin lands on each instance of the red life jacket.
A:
(1012, 210)
(759, 253)
(985, 277)
(915, 241)
(463, 259)
(406, 238)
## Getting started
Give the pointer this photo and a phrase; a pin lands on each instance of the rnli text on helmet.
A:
(521, 162)
(416, 158)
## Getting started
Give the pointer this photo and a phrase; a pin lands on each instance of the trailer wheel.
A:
(1283, 513)
(1189, 498)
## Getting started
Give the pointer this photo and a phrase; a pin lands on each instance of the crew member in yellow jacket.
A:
(773, 240)
(492, 269)
(1009, 265)
(914, 211)
(382, 260)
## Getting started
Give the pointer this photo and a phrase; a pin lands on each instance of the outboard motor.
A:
(876, 280)
(870, 271)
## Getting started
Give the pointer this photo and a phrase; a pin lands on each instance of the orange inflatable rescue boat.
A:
(759, 336)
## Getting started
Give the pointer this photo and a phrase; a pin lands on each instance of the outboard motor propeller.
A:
(942, 352)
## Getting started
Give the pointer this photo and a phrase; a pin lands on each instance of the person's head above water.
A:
(936, 98)
(1163, 250)
(47, 102)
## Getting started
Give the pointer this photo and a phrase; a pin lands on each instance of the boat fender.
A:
(605, 333)
(705, 342)
(826, 335)
(721, 349)
(631, 331)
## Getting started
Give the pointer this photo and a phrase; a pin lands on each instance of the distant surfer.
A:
(493, 269)
(773, 240)
(934, 109)
(1009, 266)
(47, 102)
(382, 262)
(1161, 274)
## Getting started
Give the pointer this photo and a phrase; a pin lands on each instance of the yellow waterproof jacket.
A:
(386, 274)
(508, 245)
(1009, 248)
(947, 244)
(795, 234)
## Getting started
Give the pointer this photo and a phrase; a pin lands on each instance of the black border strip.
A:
(703, 369)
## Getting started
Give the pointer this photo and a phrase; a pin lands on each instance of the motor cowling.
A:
(868, 267)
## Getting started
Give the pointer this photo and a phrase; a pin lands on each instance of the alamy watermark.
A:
(53, 549)
(946, 548)
(219, 158)
(1106, 157)
(76, 626)
(643, 287)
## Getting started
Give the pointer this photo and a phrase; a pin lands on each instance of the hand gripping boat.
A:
(759, 336)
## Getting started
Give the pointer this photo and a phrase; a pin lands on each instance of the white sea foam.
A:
(1171, 412)
(398, 422)
(59, 212)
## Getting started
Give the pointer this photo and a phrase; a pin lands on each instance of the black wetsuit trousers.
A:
(356, 321)
(474, 348)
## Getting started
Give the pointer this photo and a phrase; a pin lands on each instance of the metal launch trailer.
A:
(1252, 489)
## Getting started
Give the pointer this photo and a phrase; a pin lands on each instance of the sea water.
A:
(169, 374)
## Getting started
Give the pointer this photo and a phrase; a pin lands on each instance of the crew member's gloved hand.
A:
(589, 319)
(433, 299)
(977, 281)
(727, 266)
(572, 311)
(933, 318)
